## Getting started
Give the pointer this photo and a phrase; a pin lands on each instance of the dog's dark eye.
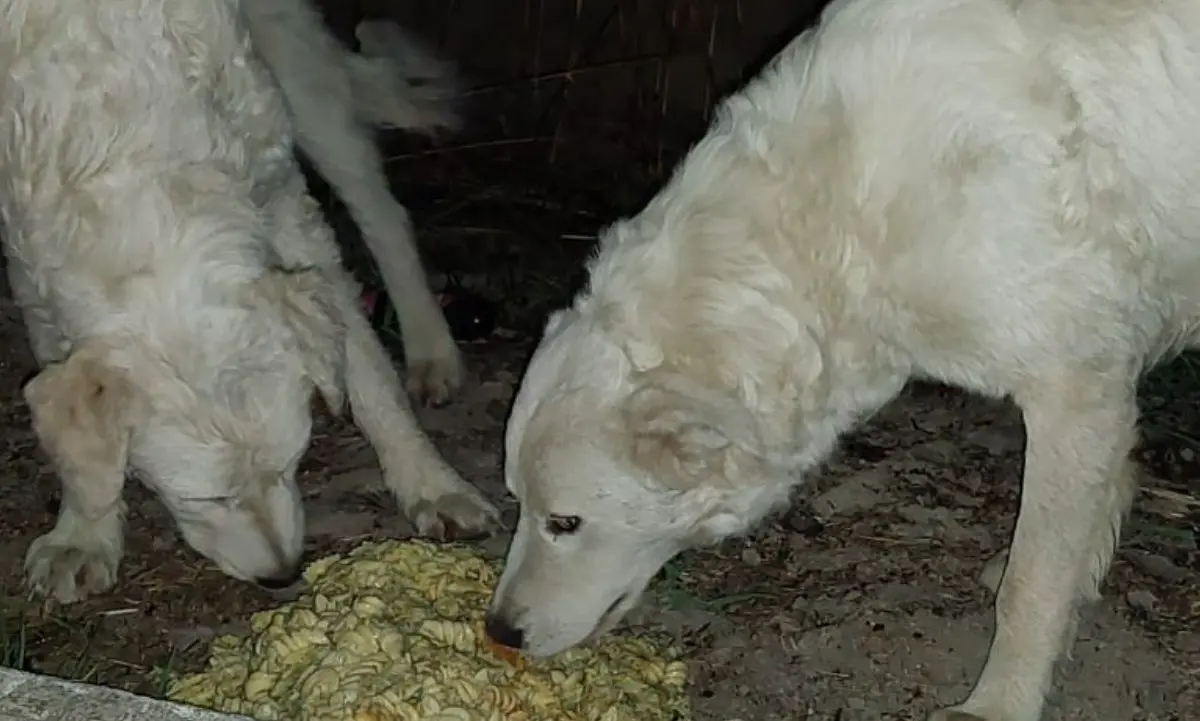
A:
(563, 525)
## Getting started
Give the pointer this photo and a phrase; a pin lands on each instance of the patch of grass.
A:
(1168, 511)
(672, 587)
(1165, 533)
(82, 666)
(14, 640)
(162, 676)
(19, 632)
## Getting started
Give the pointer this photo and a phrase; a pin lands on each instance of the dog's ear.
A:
(306, 301)
(685, 436)
(84, 411)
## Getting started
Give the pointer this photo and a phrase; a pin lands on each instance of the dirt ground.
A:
(862, 602)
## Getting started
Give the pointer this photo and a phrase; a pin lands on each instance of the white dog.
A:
(997, 194)
(180, 285)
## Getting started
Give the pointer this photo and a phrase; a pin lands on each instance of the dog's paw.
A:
(457, 516)
(434, 380)
(68, 572)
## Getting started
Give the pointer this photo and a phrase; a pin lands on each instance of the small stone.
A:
(496, 545)
(1157, 566)
(1154, 698)
(354, 480)
(497, 409)
(856, 494)
(1188, 643)
(751, 557)
(921, 515)
(1142, 600)
(998, 441)
(803, 522)
(941, 452)
(504, 376)
(965, 500)
(993, 571)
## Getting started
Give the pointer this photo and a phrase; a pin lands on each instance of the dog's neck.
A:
(736, 276)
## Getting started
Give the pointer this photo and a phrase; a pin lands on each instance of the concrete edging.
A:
(32, 697)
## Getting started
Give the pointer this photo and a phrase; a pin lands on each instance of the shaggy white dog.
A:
(1000, 195)
(180, 285)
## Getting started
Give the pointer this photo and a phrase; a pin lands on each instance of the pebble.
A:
(803, 522)
(1157, 566)
(993, 571)
(941, 452)
(1188, 643)
(998, 441)
(856, 494)
(1141, 600)
(496, 545)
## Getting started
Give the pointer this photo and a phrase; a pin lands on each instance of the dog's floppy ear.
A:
(686, 436)
(84, 412)
(306, 301)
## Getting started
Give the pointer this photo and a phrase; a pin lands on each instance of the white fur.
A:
(998, 195)
(180, 286)
(331, 94)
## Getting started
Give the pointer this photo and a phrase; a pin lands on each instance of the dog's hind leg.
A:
(1078, 485)
(432, 359)
(439, 503)
(324, 86)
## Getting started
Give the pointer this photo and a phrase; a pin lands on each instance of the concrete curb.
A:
(31, 697)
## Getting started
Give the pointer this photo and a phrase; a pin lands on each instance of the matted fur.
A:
(999, 195)
(180, 285)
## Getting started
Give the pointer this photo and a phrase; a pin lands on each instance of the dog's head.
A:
(617, 469)
(214, 414)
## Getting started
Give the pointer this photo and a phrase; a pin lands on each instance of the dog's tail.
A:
(397, 82)
(394, 81)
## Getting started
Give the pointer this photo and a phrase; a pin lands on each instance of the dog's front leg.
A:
(83, 412)
(1078, 485)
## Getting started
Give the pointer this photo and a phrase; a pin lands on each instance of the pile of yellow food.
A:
(393, 631)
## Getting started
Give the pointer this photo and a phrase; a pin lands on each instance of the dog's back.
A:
(160, 122)
(130, 153)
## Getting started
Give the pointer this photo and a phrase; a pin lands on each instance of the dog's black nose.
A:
(281, 581)
(503, 633)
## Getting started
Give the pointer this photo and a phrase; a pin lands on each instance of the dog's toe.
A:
(455, 517)
(434, 382)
